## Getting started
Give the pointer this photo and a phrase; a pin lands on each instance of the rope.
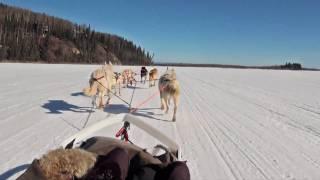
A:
(135, 85)
(110, 91)
(148, 99)
(91, 110)
(129, 104)
(114, 94)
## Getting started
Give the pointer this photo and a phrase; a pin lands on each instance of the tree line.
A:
(291, 66)
(34, 37)
(286, 66)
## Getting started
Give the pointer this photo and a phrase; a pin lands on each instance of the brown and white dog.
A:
(117, 80)
(128, 77)
(153, 75)
(169, 89)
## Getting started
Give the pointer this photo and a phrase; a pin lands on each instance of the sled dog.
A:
(116, 82)
(153, 74)
(143, 74)
(101, 82)
(169, 89)
(128, 77)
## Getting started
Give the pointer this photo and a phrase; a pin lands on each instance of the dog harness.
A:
(96, 79)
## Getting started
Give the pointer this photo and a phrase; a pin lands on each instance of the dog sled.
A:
(117, 159)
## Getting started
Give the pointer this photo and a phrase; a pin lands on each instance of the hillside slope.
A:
(34, 37)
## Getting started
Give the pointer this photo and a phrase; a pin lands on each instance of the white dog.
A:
(101, 82)
(169, 88)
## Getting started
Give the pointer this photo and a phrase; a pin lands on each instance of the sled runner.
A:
(109, 158)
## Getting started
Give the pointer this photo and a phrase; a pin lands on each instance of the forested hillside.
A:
(33, 37)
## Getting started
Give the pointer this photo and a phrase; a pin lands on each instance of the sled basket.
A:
(139, 157)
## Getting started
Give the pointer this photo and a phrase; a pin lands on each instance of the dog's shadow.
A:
(58, 106)
(116, 108)
(121, 108)
(13, 171)
(149, 115)
(137, 87)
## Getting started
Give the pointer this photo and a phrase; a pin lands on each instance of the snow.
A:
(231, 123)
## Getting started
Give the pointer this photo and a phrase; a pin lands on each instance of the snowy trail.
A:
(231, 124)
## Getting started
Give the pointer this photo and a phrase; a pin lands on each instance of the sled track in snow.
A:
(212, 136)
(293, 123)
(248, 154)
(211, 133)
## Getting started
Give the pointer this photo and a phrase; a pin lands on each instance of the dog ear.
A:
(110, 63)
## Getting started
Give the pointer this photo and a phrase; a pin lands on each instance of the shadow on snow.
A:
(121, 108)
(57, 106)
(77, 94)
(13, 171)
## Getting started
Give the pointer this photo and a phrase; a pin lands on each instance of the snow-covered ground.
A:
(231, 124)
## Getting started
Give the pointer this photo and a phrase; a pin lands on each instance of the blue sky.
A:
(252, 32)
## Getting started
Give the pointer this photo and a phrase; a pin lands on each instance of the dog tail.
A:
(91, 90)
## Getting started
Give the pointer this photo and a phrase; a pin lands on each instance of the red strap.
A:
(120, 132)
(123, 132)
